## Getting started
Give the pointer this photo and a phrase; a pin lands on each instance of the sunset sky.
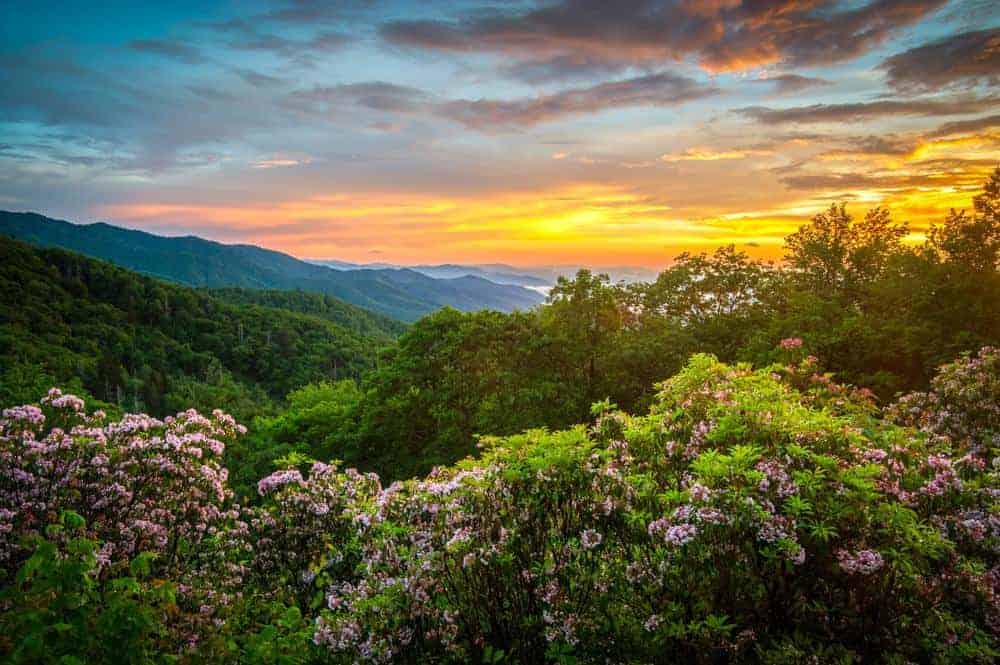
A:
(601, 132)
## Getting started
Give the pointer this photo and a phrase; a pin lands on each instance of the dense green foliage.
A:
(148, 345)
(878, 312)
(402, 294)
(370, 324)
(754, 510)
(766, 516)
(59, 610)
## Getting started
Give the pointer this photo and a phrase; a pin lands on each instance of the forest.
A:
(140, 344)
(741, 461)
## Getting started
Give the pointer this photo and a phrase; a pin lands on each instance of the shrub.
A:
(60, 609)
(306, 532)
(761, 516)
(740, 519)
(140, 485)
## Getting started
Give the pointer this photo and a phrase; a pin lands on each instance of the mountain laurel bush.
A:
(753, 515)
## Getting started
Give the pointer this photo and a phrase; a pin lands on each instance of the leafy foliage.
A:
(760, 516)
(371, 325)
(60, 610)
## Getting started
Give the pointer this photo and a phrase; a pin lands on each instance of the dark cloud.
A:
(134, 127)
(244, 35)
(381, 96)
(967, 126)
(889, 145)
(810, 32)
(790, 83)
(962, 172)
(561, 68)
(961, 60)
(259, 79)
(294, 49)
(374, 95)
(724, 35)
(662, 89)
(176, 50)
(55, 90)
(819, 113)
(846, 181)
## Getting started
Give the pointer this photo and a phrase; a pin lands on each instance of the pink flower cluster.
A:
(672, 534)
(141, 484)
(790, 343)
(862, 562)
(590, 539)
(945, 478)
(279, 479)
(58, 400)
(29, 414)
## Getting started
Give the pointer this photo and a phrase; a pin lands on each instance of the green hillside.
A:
(316, 304)
(144, 343)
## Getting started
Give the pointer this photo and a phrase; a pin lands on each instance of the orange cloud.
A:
(709, 155)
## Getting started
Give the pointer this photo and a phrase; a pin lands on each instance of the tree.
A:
(835, 253)
(717, 298)
(585, 311)
(973, 242)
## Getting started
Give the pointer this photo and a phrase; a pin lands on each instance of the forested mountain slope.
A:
(149, 344)
(399, 293)
(326, 307)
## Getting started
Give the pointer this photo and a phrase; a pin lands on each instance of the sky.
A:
(591, 132)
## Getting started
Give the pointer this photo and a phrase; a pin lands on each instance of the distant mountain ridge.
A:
(532, 277)
(400, 293)
(507, 275)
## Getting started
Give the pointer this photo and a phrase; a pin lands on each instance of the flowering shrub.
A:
(305, 532)
(60, 610)
(790, 343)
(765, 516)
(962, 409)
(140, 484)
(486, 557)
(960, 421)
(741, 519)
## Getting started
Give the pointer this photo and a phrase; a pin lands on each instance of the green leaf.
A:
(142, 564)
(72, 520)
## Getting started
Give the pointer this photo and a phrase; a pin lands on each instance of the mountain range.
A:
(533, 277)
(496, 273)
(402, 293)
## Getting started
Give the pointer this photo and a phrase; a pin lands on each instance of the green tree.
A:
(834, 253)
(585, 314)
(972, 242)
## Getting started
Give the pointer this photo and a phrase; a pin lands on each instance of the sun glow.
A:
(583, 222)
